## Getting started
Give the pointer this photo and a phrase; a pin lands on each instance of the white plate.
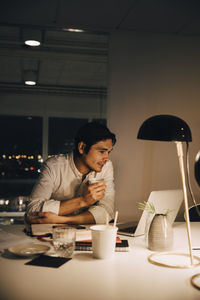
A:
(28, 249)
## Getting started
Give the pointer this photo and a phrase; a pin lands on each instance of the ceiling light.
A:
(30, 82)
(32, 37)
(30, 77)
(73, 30)
(32, 43)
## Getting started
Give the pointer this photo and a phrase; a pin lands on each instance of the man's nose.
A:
(106, 156)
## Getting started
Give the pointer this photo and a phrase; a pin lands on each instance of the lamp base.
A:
(174, 256)
(195, 281)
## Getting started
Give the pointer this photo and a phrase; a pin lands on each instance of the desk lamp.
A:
(171, 129)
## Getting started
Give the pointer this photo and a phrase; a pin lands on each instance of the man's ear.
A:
(81, 147)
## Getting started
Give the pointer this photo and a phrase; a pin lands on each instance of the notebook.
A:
(122, 246)
(162, 200)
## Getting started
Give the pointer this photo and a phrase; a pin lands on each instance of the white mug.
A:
(103, 240)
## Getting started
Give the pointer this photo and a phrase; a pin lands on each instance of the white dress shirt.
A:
(60, 180)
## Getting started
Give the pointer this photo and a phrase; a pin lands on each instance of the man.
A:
(63, 193)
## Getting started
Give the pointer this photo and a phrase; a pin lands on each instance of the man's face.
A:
(97, 156)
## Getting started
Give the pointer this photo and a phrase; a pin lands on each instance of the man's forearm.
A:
(91, 195)
(83, 218)
(69, 206)
(51, 218)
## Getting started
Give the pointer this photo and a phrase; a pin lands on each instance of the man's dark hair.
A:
(92, 133)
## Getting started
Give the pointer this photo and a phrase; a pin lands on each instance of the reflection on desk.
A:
(127, 276)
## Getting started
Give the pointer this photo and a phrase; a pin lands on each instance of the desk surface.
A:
(127, 276)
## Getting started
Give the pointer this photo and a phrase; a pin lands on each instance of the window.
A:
(20, 153)
(61, 134)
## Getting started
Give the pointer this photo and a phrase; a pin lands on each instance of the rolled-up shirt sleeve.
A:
(106, 205)
(40, 198)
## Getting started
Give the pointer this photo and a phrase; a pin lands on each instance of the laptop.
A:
(162, 200)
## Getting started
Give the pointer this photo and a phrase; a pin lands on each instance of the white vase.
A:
(160, 237)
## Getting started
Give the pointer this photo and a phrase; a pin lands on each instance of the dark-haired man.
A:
(63, 193)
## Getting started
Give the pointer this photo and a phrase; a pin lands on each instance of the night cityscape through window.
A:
(21, 149)
(21, 146)
(20, 154)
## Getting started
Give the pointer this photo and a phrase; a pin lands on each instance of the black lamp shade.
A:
(165, 128)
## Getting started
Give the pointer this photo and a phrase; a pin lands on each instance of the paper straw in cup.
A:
(115, 219)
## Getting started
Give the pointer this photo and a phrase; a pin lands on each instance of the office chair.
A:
(194, 214)
(194, 211)
(197, 168)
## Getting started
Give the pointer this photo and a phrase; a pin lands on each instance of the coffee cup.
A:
(103, 241)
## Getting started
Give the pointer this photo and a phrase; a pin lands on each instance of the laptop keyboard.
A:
(128, 229)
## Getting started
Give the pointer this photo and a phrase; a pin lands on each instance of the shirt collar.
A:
(73, 166)
(76, 171)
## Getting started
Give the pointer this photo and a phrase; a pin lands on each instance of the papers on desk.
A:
(43, 229)
(40, 229)
(83, 235)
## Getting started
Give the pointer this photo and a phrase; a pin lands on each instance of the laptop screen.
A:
(162, 201)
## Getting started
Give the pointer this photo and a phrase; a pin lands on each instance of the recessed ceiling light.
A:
(32, 43)
(30, 77)
(30, 82)
(31, 36)
(73, 29)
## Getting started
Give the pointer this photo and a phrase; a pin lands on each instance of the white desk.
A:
(127, 276)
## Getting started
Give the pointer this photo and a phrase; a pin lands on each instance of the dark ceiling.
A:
(69, 62)
(166, 16)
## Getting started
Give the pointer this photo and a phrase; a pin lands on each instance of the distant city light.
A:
(7, 202)
(30, 157)
(23, 156)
